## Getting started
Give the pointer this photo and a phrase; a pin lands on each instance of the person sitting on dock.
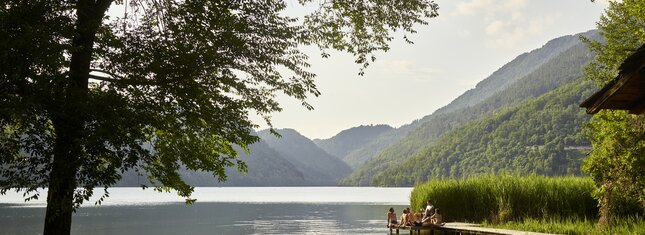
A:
(391, 219)
(428, 212)
(417, 217)
(406, 218)
(436, 218)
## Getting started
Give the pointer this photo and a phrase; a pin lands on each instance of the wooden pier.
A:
(462, 229)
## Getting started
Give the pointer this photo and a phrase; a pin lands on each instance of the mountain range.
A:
(567, 55)
(289, 159)
(343, 143)
(523, 118)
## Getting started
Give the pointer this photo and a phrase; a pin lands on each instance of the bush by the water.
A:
(502, 198)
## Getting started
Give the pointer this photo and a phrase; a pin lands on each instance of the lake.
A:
(228, 210)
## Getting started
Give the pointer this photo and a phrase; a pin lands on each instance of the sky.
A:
(467, 42)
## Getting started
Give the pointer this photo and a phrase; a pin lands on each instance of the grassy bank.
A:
(631, 225)
(503, 198)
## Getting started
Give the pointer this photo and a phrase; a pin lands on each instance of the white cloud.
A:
(463, 33)
(540, 24)
(406, 69)
(507, 34)
(496, 27)
(513, 5)
(472, 7)
(518, 16)
(507, 39)
(506, 23)
(490, 7)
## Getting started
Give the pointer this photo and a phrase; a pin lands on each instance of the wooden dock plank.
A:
(468, 229)
(477, 228)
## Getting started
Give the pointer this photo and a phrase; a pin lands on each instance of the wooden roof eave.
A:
(639, 108)
(595, 103)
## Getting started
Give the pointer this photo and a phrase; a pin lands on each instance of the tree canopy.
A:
(85, 96)
(617, 161)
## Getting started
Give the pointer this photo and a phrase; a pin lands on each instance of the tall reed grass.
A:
(502, 198)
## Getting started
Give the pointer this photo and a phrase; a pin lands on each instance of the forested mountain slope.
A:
(317, 166)
(347, 140)
(521, 66)
(496, 82)
(265, 168)
(292, 160)
(539, 136)
(558, 71)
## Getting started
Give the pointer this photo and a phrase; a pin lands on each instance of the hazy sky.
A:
(467, 42)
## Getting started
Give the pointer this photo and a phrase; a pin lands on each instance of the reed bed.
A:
(502, 198)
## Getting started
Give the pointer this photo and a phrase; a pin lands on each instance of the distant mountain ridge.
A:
(290, 160)
(266, 167)
(317, 166)
(498, 81)
(538, 136)
(522, 119)
(557, 71)
(347, 140)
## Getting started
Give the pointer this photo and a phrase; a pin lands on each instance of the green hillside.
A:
(558, 71)
(540, 136)
(499, 81)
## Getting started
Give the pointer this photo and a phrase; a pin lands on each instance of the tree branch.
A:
(108, 73)
(114, 78)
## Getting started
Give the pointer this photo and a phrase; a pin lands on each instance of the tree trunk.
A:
(60, 197)
(605, 212)
(69, 119)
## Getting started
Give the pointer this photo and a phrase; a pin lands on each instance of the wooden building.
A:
(626, 91)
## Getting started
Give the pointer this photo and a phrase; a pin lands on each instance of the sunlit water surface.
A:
(231, 210)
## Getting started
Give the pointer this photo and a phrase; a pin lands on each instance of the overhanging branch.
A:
(106, 72)
(117, 79)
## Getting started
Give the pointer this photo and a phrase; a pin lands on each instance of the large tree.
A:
(617, 162)
(170, 84)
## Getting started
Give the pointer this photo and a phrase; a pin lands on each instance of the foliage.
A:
(617, 160)
(82, 94)
(629, 225)
(510, 144)
(503, 198)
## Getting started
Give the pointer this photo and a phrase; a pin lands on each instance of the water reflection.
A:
(211, 218)
(208, 218)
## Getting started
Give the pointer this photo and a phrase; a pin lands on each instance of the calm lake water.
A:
(231, 210)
